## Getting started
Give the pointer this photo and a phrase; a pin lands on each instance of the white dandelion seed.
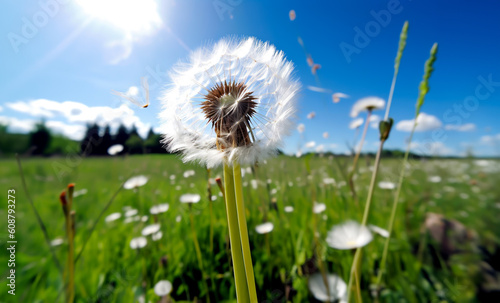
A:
(112, 217)
(163, 288)
(264, 228)
(356, 123)
(190, 198)
(311, 115)
(368, 103)
(157, 236)
(336, 286)
(326, 135)
(137, 243)
(135, 182)
(115, 149)
(336, 97)
(386, 185)
(231, 102)
(150, 229)
(301, 128)
(435, 179)
(319, 207)
(348, 235)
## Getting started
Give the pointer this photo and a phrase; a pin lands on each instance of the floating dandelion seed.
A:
(348, 235)
(137, 243)
(232, 102)
(336, 97)
(356, 123)
(132, 94)
(190, 198)
(150, 229)
(337, 288)
(311, 115)
(292, 15)
(115, 149)
(301, 128)
(135, 182)
(113, 217)
(264, 228)
(163, 288)
(326, 135)
(368, 103)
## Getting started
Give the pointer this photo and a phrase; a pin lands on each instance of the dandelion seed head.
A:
(264, 228)
(337, 288)
(163, 288)
(368, 103)
(233, 101)
(348, 235)
(137, 243)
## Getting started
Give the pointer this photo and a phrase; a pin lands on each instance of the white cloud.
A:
(74, 132)
(374, 121)
(461, 127)
(17, 125)
(425, 122)
(435, 148)
(490, 140)
(79, 114)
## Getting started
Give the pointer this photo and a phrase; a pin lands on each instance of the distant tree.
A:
(91, 141)
(121, 136)
(106, 141)
(153, 144)
(39, 139)
(135, 144)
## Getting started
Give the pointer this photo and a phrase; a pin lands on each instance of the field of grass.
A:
(109, 270)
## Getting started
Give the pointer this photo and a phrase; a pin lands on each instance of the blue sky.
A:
(58, 51)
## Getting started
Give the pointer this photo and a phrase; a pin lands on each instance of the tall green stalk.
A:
(245, 243)
(198, 252)
(242, 293)
(423, 90)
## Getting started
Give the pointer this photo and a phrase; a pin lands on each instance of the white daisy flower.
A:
(435, 179)
(368, 103)
(115, 149)
(288, 209)
(190, 198)
(163, 288)
(135, 182)
(337, 288)
(137, 243)
(356, 123)
(386, 185)
(150, 229)
(112, 217)
(157, 236)
(264, 228)
(349, 235)
(379, 230)
(231, 102)
(319, 207)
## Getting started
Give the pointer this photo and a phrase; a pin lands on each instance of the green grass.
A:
(110, 271)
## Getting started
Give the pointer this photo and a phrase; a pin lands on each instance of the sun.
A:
(131, 16)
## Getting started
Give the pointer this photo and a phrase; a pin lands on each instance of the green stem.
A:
(198, 252)
(38, 218)
(394, 208)
(242, 294)
(358, 152)
(365, 215)
(245, 243)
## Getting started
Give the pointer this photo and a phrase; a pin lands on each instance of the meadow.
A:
(284, 257)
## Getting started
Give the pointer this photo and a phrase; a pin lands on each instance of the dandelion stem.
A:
(245, 243)
(356, 157)
(394, 208)
(38, 218)
(242, 294)
(209, 194)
